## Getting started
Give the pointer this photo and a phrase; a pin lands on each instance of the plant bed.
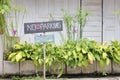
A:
(116, 68)
(27, 67)
(105, 69)
(39, 70)
(57, 69)
(91, 68)
(71, 70)
(11, 68)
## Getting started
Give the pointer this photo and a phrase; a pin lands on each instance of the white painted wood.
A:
(109, 6)
(30, 6)
(109, 20)
(98, 39)
(91, 28)
(117, 20)
(1, 54)
(42, 8)
(1, 47)
(94, 34)
(51, 7)
(93, 24)
(55, 7)
(73, 5)
(1, 67)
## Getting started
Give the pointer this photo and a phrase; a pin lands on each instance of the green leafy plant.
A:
(80, 53)
(102, 54)
(6, 28)
(75, 23)
(37, 55)
(114, 50)
(4, 9)
(21, 52)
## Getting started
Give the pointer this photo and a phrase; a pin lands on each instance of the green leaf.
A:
(102, 63)
(6, 8)
(104, 55)
(11, 55)
(28, 55)
(36, 62)
(97, 57)
(85, 63)
(107, 61)
(117, 57)
(80, 57)
(69, 53)
(84, 51)
(66, 57)
(18, 56)
(40, 61)
(13, 59)
(74, 54)
(78, 48)
(23, 59)
(91, 57)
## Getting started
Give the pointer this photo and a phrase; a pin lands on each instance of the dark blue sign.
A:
(39, 27)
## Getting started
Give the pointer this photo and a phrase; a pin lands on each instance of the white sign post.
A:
(44, 48)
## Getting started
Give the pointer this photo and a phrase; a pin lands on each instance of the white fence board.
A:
(94, 21)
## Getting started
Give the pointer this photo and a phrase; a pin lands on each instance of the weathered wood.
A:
(56, 68)
(71, 70)
(116, 68)
(27, 67)
(91, 68)
(106, 68)
(11, 68)
(39, 70)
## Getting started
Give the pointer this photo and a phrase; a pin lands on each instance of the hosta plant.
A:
(114, 50)
(73, 54)
(85, 49)
(102, 54)
(37, 56)
(79, 53)
(21, 52)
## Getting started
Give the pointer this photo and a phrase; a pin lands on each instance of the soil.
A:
(91, 75)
